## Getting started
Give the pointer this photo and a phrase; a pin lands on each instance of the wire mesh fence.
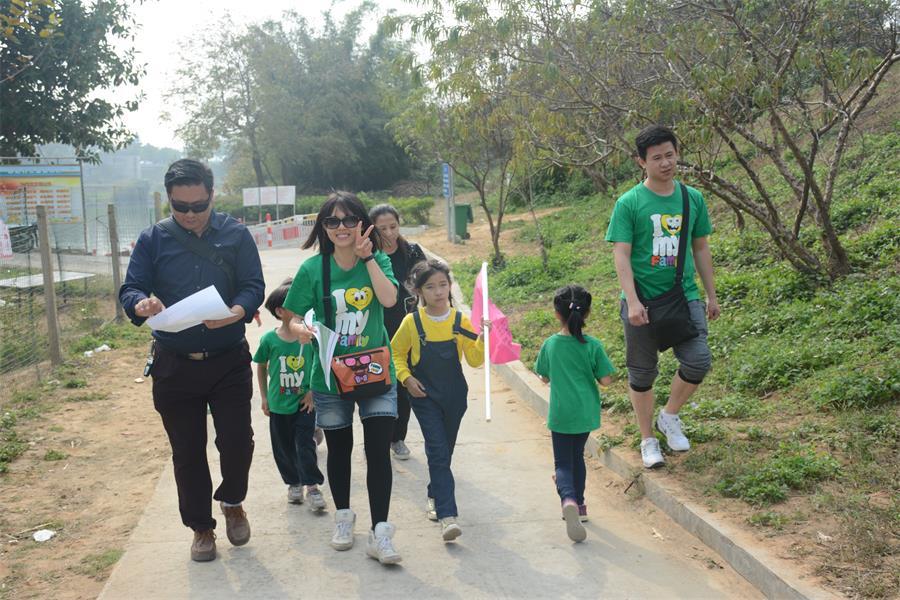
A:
(81, 259)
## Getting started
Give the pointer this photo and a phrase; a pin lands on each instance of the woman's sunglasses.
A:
(350, 221)
(183, 207)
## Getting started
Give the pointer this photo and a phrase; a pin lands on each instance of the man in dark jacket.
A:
(207, 365)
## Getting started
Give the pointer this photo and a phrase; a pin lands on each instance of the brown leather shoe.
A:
(237, 527)
(204, 547)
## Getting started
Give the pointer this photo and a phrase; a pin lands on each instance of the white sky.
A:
(166, 24)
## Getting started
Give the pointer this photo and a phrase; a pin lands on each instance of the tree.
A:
(52, 64)
(464, 113)
(29, 17)
(772, 85)
(218, 89)
(767, 85)
(304, 106)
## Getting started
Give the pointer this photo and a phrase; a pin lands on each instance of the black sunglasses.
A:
(183, 207)
(350, 221)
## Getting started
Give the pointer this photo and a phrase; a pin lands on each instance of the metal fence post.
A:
(157, 207)
(116, 257)
(49, 289)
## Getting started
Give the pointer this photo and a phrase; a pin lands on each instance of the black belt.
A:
(206, 354)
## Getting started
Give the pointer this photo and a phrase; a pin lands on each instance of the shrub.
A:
(413, 211)
(860, 386)
(770, 363)
(792, 467)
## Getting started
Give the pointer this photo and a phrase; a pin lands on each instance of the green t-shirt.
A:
(359, 316)
(289, 365)
(652, 225)
(573, 369)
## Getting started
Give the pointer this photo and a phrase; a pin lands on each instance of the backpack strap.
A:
(415, 254)
(199, 247)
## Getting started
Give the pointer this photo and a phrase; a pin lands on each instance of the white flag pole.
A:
(487, 344)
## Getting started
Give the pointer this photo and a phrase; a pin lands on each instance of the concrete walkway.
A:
(513, 545)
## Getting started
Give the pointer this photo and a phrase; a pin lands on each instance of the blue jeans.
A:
(568, 458)
(440, 426)
(294, 448)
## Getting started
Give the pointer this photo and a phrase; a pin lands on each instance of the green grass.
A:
(88, 397)
(98, 566)
(52, 455)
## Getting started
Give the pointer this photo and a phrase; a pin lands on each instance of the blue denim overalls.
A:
(441, 411)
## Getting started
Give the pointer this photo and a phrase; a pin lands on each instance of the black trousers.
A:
(294, 448)
(182, 390)
(403, 409)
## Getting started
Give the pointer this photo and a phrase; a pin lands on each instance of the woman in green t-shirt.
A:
(360, 283)
(572, 362)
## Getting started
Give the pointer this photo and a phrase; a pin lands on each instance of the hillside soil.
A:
(94, 453)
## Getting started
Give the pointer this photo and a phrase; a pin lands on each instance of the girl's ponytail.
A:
(573, 303)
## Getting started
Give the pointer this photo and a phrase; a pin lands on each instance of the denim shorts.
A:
(333, 412)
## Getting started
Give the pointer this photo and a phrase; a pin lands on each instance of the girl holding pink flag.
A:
(427, 352)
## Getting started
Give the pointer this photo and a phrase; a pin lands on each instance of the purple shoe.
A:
(582, 513)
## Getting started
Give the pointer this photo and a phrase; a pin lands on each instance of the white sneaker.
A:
(400, 449)
(344, 519)
(381, 545)
(430, 511)
(295, 494)
(670, 426)
(316, 500)
(450, 530)
(651, 454)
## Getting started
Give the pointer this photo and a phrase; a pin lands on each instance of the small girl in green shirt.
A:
(572, 363)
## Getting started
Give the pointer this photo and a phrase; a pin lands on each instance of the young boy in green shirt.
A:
(287, 401)
(573, 363)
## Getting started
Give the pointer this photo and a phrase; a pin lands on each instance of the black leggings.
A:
(377, 433)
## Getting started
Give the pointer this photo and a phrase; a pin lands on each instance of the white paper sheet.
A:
(327, 340)
(205, 305)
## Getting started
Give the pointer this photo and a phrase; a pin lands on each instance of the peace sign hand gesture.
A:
(363, 243)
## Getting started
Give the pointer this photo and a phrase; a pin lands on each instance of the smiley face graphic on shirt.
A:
(666, 232)
(352, 315)
(290, 376)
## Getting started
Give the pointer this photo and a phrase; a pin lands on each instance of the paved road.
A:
(513, 545)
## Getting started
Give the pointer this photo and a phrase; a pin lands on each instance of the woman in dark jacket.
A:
(404, 256)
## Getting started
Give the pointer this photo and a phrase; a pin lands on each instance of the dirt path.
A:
(479, 244)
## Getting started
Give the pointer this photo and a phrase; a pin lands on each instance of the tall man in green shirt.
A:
(645, 228)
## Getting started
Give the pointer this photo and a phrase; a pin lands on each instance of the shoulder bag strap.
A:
(683, 237)
(328, 317)
(199, 247)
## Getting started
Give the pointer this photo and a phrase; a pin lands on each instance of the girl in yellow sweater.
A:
(427, 352)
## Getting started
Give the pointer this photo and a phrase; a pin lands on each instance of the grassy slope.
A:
(801, 415)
